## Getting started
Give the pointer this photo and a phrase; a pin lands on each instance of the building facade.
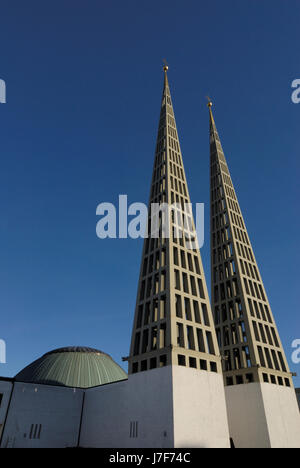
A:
(197, 376)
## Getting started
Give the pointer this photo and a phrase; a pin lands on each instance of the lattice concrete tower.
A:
(256, 374)
(173, 321)
(173, 330)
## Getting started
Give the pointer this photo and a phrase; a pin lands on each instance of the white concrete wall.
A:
(200, 418)
(5, 390)
(262, 415)
(283, 416)
(56, 409)
(174, 407)
(246, 416)
(145, 398)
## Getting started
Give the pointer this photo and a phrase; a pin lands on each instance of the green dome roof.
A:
(73, 367)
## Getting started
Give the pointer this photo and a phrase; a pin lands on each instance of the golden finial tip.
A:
(166, 68)
(209, 104)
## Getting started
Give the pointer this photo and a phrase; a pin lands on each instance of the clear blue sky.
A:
(84, 83)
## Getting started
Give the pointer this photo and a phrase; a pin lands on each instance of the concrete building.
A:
(174, 394)
(260, 397)
(39, 409)
(43, 405)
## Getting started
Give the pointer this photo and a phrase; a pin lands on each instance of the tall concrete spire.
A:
(173, 322)
(253, 356)
(174, 360)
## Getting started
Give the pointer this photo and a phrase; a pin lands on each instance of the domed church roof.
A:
(74, 366)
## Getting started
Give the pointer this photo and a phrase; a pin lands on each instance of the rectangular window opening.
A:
(203, 364)
(200, 339)
(162, 360)
(187, 308)
(180, 336)
(153, 363)
(210, 344)
(181, 360)
(193, 362)
(178, 306)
